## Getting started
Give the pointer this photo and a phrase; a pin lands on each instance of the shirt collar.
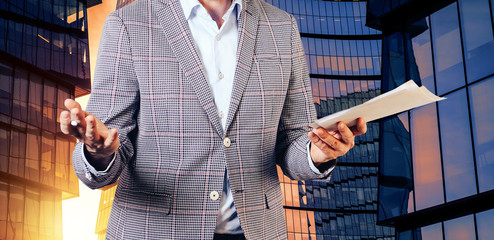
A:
(189, 6)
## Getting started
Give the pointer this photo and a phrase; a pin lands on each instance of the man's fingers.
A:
(76, 112)
(360, 128)
(112, 137)
(77, 117)
(71, 104)
(91, 130)
(319, 143)
(346, 134)
(334, 143)
(335, 134)
(65, 125)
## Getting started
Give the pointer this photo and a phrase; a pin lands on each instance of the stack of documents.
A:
(403, 98)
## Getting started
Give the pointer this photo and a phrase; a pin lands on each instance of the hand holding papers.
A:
(403, 98)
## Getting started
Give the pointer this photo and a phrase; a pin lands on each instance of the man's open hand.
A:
(100, 141)
(330, 145)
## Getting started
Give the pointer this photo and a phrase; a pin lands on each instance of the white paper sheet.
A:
(403, 98)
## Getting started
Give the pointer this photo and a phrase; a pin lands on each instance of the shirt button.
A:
(221, 115)
(220, 75)
(88, 176)
(214, 195)
(218, 37)
(227, 142)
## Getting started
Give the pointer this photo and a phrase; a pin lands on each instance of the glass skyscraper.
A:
(344, 59)
(437, 162)
(44, 59)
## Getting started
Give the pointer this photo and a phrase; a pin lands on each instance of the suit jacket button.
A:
(214, 195)
(227, 142)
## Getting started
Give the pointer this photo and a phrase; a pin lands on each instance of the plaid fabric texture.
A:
(149, 83)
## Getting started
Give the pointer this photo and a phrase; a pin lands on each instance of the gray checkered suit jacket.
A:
(149, 83)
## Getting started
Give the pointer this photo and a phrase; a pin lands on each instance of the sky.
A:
(79, 214)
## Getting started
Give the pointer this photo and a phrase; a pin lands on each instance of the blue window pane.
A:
(313, 64)
(344, 26)
(57, 52)
(3, 30)
(447, 49)
(20, 94)
(59, 17)
(310, 23)
(46, 10)
(308, 7)
(482, 106)
(294, 6)
(29, 44)
(431, 232)
(5, 88)
(317, 24)
(459, 172)
(301, 4)
(396, 186)
(302, 23)
(43, 54)
(322, 88)
(288, 4)
(427, 169)
(4, 5)
(394, 66)
(485, 219)
(17, 7)
(14, 38)
(422, 53)
(282, 4)
(337, 25)
(325, 47)
(31, 8)
(477, 38)
(35, 100)
(312, 46)
(459, 228)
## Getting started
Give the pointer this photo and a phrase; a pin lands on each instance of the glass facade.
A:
(50, 35)
(43, 60)
(344, 59)
(437, 161)
(473, 226)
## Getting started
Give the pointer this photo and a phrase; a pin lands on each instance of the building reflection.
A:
(43, 60)
(344, 58)
(444, 151)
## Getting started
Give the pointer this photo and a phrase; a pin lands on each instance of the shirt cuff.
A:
(314, 168)
(90, 167)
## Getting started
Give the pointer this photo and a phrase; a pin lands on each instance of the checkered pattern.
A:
(150, 85)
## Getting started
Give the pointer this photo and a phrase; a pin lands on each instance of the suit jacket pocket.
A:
(273, 197)
(143, 201)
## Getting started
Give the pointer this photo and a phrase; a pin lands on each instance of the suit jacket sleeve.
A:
(298, 112)
(114, 100)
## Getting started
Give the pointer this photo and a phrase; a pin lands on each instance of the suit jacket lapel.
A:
(172, 20)
(247, 27)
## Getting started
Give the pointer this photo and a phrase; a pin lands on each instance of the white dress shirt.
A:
(217, 50)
